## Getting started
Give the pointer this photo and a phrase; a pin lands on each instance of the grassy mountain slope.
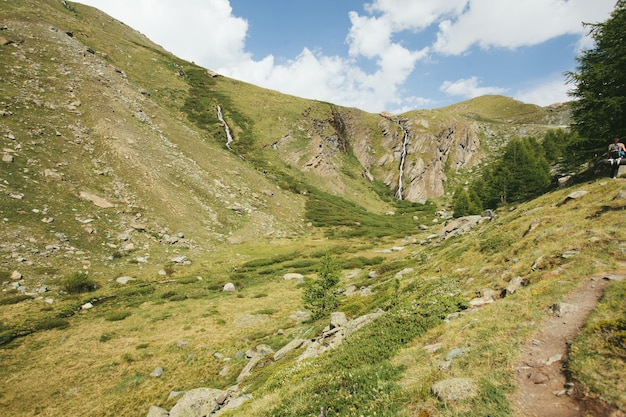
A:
(115, 164)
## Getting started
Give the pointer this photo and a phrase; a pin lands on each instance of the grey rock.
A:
(561, 309)
(514, 285)
(455, 353)
(454, 389)
(289, 347)
(539, 378)
(155, 411)
(198, 402)
(179, 259)
(338, 319)
(291, 276)
(124, 280)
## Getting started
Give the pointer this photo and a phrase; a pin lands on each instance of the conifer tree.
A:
(319, 296)
(599, 108)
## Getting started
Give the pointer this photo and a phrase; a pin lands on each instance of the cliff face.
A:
(431, 151)
(425, 148)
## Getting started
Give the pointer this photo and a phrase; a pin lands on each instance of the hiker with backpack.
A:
(615, 153)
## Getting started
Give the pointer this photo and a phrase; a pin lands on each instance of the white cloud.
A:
(468, 88)
(207, 32)
(514, 23)
(545, 93)
(196, 30)
(415, 15)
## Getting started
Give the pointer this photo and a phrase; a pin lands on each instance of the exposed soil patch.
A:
(544, 387)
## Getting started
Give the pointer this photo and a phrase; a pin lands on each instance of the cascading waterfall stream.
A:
(402, 159)
(229, 137)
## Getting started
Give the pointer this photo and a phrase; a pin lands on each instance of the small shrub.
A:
(139, 290)
(52, 323)
(14, 299)
(268, 311)
(613, 334)
(497, 243)
(105, 337)
(188, 280)
(117, 315)
(142, 346)
(77, 283)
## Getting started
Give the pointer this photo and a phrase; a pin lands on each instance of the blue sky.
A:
(377, 55)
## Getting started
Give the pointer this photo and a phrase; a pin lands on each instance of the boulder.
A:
(199, 402)
(155, 411)
(454, 389)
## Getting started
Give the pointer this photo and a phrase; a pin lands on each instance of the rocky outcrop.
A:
(430, 150)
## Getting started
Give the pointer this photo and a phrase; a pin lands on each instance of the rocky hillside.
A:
(105, 132)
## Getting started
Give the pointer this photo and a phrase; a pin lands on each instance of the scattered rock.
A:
(197, 402)
(49, 173)
(179, 259)
(292, 275)
(289, 347)
(338, 319)
(124, 280)
(554, 358)
(560, 309)
(155, 411)
(539, 378)
(96, 199)
(514, 285)
(158, 371)
(533, 225)
(455, 353)
(454, 389)
(460, 226)
(433, 348)
(229, 287)
(574, 196)
(404, 272)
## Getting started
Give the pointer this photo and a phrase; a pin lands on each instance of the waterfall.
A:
(229, 137)
(402, 159)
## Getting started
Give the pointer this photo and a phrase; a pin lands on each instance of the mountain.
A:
(157, 182)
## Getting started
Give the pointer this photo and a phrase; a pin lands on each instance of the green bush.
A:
(105, 337)
(139, 290)
(14, 299)
(117, 315)
(77, 283)
(496, 243)
(52, 323)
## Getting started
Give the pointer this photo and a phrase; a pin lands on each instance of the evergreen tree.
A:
(319, 296)
(521, 173)
(465, 203)
(460, 203)
(528, 170)
(599, 110)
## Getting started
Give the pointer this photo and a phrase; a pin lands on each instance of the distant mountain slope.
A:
(92, 107)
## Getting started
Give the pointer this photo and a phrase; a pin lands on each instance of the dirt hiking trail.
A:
(544, 389)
